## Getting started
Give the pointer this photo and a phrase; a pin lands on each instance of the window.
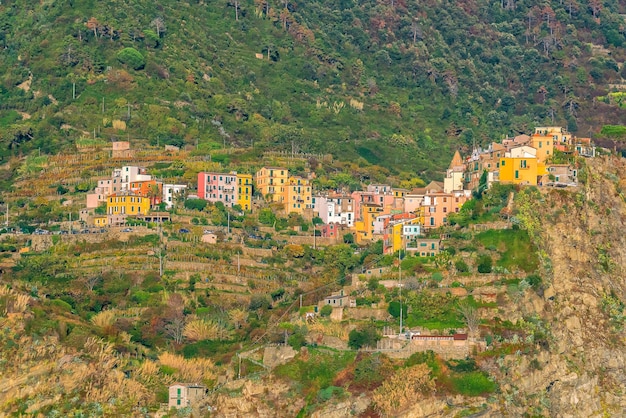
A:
(540, 144)
(523, 164)
(503, 163)
(516, 174)
(445, 210)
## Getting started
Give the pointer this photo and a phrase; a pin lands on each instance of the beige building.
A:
(182, 395)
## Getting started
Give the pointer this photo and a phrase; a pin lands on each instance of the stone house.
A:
(182, 395)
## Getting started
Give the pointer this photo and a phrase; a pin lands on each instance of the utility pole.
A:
(228, 213)
(300, 300)
(314, 237)
(400, 286)
(103, 105)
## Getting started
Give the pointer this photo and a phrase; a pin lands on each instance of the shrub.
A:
(461, 266)
(485, 263)
(195, 204)
(326, 394)
(326, 310)
(394, 310)
(366, 337)
(371, 370)
(132, 58)
(258, 302)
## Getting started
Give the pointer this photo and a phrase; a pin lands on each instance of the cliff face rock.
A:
(583, 247)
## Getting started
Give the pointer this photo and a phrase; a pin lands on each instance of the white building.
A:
(335, 209)
(170, 191)
(130, 174)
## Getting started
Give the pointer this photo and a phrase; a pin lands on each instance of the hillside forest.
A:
(384, 83)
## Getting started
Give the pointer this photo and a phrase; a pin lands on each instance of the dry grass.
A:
(104, 319)
(204, 329)
(403, 389)
(15, 302)
(195, 370)
(332, 329)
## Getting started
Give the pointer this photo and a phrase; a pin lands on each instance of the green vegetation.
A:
(614, 131)
(514, 247)
(423, 85)
(366, 337)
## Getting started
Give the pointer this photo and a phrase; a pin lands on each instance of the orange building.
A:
(148, 188)
(438, 206)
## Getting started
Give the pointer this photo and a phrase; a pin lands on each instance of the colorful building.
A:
(127, 203)
(244, 191)
(297, 195)
(521, 170)
(170, 192)
(364, 227)
(544, 139)
(148, 188)
(218, 187)
(335, 209)
(271, 182)
(438, 206)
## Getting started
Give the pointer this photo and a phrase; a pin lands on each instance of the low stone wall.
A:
(307, 240)
(257, 252)
(276, 355)
(366, 313)
(446, 349)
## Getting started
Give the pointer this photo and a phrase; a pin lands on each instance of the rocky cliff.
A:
(580, 371)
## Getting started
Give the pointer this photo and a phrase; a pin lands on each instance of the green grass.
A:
(514, 247)
(475, 383)
(318, 371)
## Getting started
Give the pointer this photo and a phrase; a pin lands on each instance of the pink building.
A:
(218, 187)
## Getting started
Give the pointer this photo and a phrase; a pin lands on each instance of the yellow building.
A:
(244, 191)
(271, 182)
(545, 138)
(521, 170)
(100, 220)
(364, 228)
(297, 195)
(127, 204)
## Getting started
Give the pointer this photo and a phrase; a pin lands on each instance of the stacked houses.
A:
(130, 191)
(394, 215)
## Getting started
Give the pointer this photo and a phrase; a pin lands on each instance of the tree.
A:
(366, 337)
(93, 24)
(159, 26)
(238, 317)
(92, 281)
(394, 309)
(132, 58)
(326, 310)
(195, 204)
(267, 217)
(470, 315)
(175, 328)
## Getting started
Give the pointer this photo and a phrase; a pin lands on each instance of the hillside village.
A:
(397, 216)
